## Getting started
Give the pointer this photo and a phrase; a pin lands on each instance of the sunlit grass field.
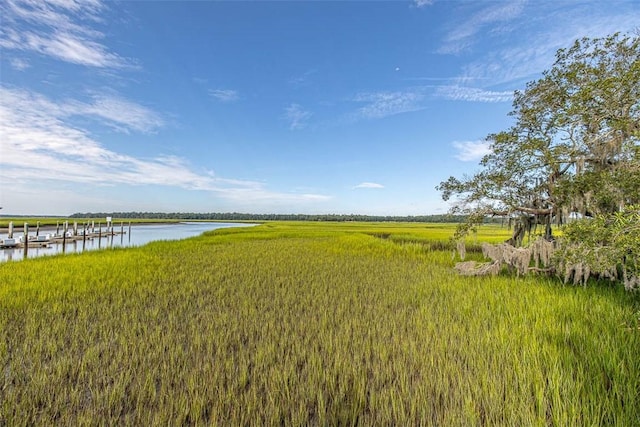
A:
(310, 324)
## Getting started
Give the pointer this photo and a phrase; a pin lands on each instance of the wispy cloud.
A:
(367, 185)
(490, 15)
(58, 29)
(383, 104)
(114, 111)
(302, 79)
(38, 145)
(526, 36)
(528, 58)
(471, 151)
(472, 94)
(123, 114)
(19, 64)
(422, 3)
(297, 116)
(224, 95)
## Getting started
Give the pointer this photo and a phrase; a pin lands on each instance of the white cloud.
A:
(528, 60)
(472, 94)
(368, 185)
(59, 29)
(121, 112)
(38, 145)
(71, 48)
(303, 79)
(19, 64)
(383, 104)
(524, 37)
(471, 151)
(224, 95)
(422, 3)
(490, 15)
(117, 112)
(297, 116)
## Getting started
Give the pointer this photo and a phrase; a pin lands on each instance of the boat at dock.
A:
(8, 243)
(52, 240)
(43, 241)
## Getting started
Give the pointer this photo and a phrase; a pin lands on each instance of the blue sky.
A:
(265, 106)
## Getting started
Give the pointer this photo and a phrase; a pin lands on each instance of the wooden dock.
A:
(68, 235)
(55, 240)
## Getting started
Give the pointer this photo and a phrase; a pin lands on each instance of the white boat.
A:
(8, 243)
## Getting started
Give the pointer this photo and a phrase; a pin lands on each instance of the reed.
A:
(307, 323)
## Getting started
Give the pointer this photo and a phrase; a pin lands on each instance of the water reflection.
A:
(119, 236)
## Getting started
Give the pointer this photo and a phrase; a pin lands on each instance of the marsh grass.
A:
(308, 324)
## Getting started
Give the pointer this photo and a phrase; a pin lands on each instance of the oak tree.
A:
(574, 148)
(573, 152)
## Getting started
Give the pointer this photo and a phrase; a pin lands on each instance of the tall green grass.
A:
(297, 324)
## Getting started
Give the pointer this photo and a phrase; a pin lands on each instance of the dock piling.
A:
(26, 239)
(64, 236)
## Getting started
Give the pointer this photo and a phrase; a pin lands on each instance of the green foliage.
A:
(574, 150)
(607, 246)
(575, 143)
(236, 216)
(308, 324)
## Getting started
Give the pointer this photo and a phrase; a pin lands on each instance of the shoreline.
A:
(18, 227)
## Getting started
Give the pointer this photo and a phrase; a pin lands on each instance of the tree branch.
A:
(532, 211)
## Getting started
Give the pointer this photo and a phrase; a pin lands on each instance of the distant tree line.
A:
(236, 216)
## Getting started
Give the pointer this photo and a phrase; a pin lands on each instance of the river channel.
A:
(139, 235)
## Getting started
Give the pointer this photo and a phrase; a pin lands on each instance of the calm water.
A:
(140, 234)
